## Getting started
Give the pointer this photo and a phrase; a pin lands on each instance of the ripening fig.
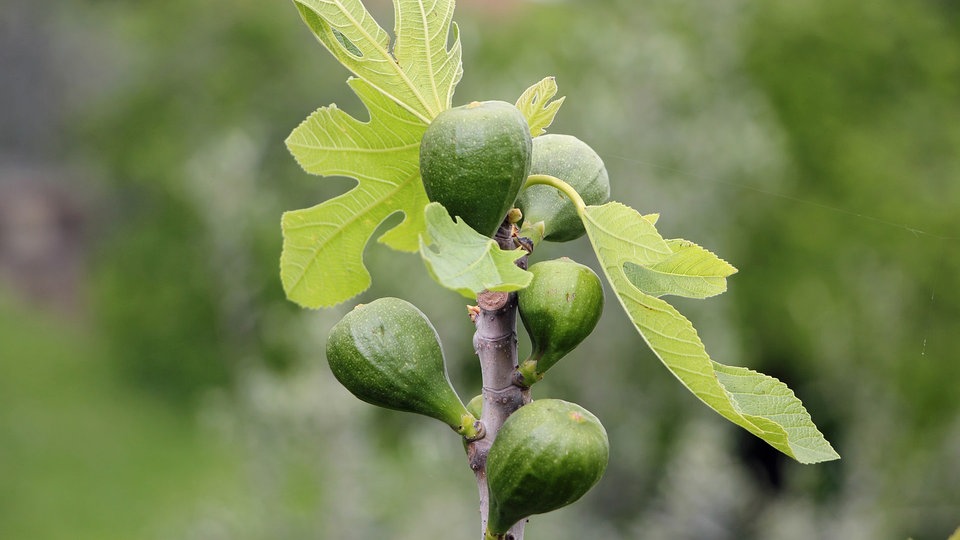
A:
(474, 159)
(559, 309)
(547, 455)
(571, 160)
(387, 353)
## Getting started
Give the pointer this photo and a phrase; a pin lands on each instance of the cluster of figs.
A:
(475, 160)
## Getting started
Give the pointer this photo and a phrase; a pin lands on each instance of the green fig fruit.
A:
(474, 159)
(387, 353)
(547, 455)
(559, 309)
(571, 160)
(475, 405)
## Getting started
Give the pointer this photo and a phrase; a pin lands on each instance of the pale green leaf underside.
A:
(691, 272)
(466, 261)
(536, 105)
(777, 414)
(403, 86)
(760, 404)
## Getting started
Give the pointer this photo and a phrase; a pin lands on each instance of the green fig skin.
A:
(571, 160)
(388, 354)
(559, 309)
(474, 159)
(475, 406)
(547, 455)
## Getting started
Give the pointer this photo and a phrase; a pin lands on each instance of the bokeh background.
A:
(154, 383)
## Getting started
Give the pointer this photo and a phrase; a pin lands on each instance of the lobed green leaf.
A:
(403, 88)
(466, 261)
(628, 247)
(691, 272)
(538, 106)
(419, 74)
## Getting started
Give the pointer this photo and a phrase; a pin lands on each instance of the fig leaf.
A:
(759, 403)
(464, 260)
(403, 88)
(691, 272)
(538, 106)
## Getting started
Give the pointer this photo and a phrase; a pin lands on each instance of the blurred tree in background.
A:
(861, 254)
(813, 143)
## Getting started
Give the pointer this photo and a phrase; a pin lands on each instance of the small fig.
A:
(547, 455)
(571, 160)
(388, 354)
(474, 159)
(559, 309)
(475, 405)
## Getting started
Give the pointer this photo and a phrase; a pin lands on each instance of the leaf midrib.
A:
(355, 149)
(396, 67)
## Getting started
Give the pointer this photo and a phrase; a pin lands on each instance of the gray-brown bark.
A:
(495, 343)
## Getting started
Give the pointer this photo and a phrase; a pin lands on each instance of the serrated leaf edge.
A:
(732, 409)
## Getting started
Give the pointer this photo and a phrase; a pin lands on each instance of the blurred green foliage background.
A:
(154, 383)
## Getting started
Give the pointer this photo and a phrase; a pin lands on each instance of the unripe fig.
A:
(475, 405)
(571, 160)
(547, 455)
(474, 159)
(387, 353)
(559, 309)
